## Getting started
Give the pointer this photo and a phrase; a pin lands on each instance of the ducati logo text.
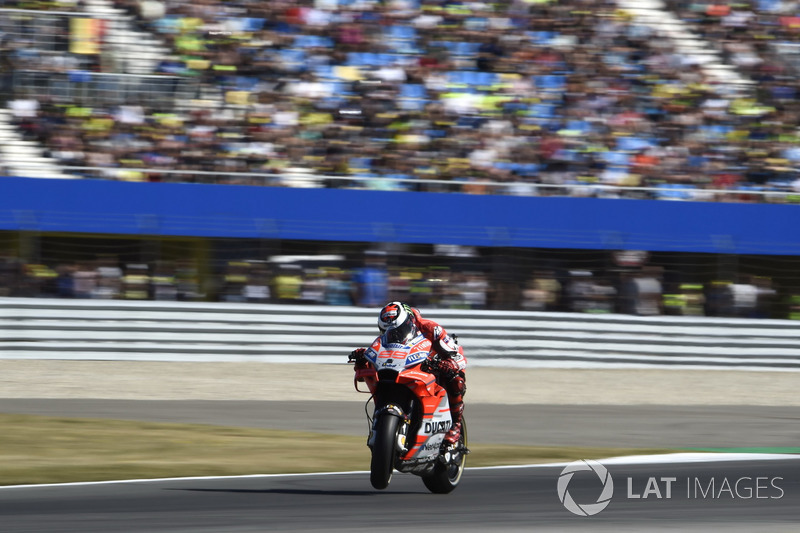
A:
(437, 427)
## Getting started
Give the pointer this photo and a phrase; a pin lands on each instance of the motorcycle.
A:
(411, 415)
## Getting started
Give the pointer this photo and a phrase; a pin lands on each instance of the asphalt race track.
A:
(748, 495)
(758, 495)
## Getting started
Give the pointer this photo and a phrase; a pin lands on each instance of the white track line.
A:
(668, 458)
(191, 478)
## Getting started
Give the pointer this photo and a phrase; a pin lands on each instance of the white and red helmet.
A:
(396, 322)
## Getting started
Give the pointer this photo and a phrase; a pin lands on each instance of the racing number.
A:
(394, 354)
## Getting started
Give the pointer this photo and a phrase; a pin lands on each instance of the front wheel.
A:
(384, 451)
(446, 475)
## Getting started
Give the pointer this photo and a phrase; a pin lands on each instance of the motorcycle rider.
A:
(401, 322)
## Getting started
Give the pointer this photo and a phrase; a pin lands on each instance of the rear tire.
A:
(384, 451)
(445, 477)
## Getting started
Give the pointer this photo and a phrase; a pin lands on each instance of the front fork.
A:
(402, 429)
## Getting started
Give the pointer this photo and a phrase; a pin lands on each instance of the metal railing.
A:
(522, 188)
(49, 40)
(47, 68)
(39, 30)
(102, 88)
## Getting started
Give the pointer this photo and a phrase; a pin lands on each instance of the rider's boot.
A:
(455, 395)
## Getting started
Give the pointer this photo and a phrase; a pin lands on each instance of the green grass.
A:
(40, 449)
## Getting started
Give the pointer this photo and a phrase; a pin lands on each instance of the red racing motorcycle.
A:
(410, 417)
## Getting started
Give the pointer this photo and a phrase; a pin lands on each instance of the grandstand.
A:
(639, 100)
(630, 99)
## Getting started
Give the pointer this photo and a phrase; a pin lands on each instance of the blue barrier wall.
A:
(87, 206)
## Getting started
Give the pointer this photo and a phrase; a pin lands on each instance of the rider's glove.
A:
(448, 369)
(431, 364)
(443, 368)
(357, 357)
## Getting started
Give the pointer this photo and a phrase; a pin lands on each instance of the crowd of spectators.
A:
(248, 281)
(642, 291)
(512, 97)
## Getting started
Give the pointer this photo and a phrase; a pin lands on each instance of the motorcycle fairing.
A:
(436, 420)
(395, 356)
(420, 349)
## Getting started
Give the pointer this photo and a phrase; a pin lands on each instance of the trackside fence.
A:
(33, 328)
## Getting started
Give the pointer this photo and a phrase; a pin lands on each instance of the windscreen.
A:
(401, 334)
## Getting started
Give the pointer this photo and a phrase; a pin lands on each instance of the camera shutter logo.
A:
(585, 509)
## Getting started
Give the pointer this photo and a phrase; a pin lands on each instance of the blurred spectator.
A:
(257, 289)
(288, 284)
(765, 296)
(744, 297)
(443, 292)
(136, 282)
(85, 280)
(399, 288)
(719, 298)
(794, 307)
(10, 274)
(641, 293)
(420, 293)
(337, 287)
(65, 282)
(687, 300)
(474, 290)
(162, 282)
(465, 290)
(234, 281)
(313, 288)
(39, 280)
(541, 292)
(604, 297)
(109, 279)
(188, 282)
(370, 283)
(533, 297)
(580, 291)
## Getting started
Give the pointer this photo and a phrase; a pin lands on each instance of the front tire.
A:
(446, 476)
(384, 451)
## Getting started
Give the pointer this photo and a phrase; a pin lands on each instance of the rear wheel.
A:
(384, 451)
(446, 475)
